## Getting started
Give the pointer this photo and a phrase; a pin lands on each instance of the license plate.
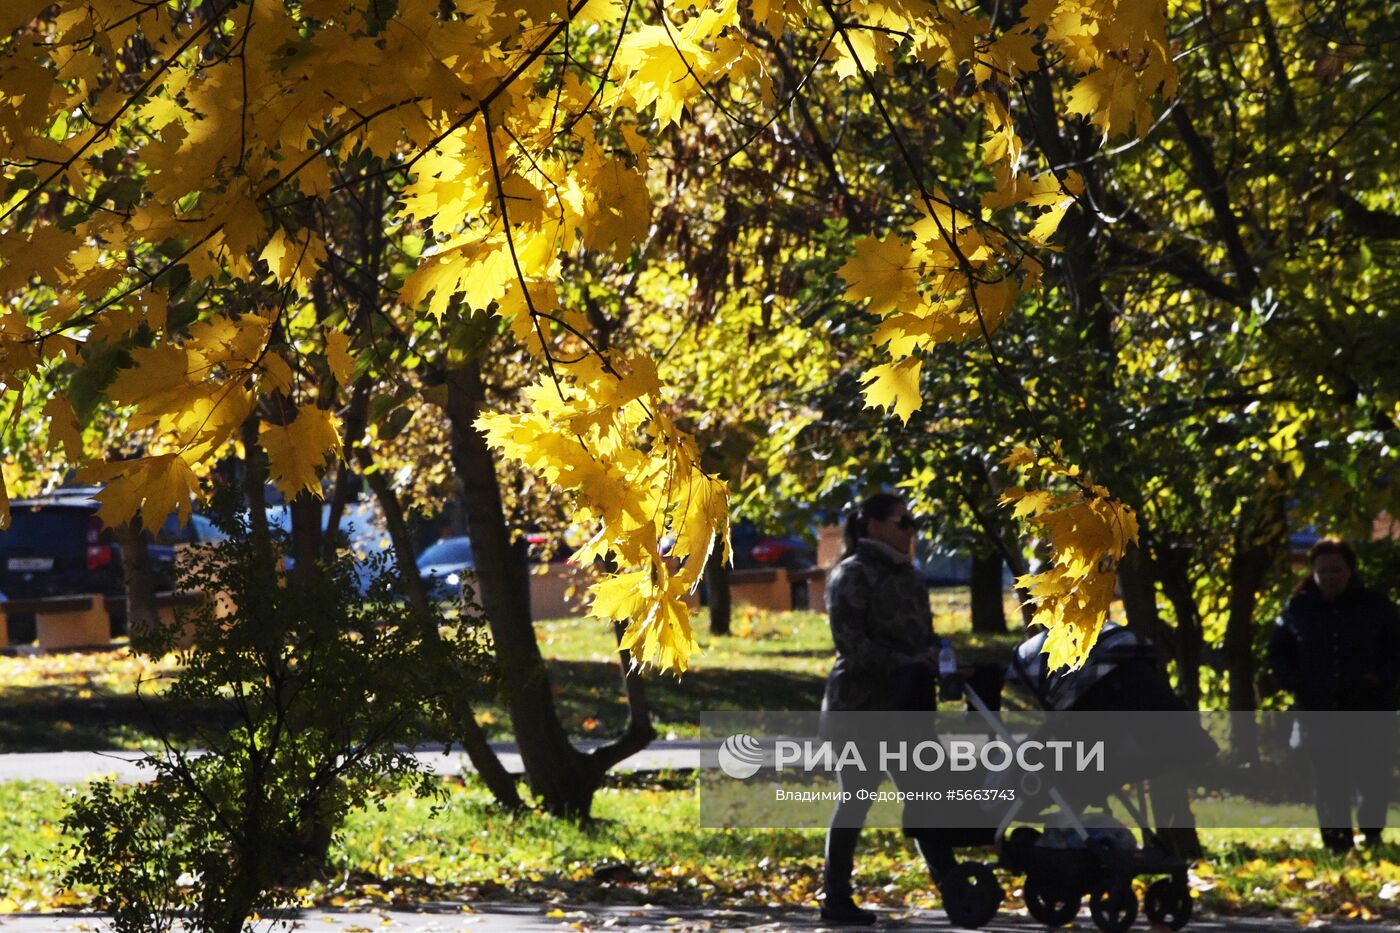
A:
(29, 563)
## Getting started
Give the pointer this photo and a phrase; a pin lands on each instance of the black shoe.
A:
(845, 913)
(1338, 841)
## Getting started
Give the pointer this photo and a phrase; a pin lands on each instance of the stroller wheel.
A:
(1168, 902)
(1052, 906)
(971, 895)
(1113, 907)
(1023, 836)
(1014, 846)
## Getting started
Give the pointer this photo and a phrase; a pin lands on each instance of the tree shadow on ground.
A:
(589, 696)
(591, 701)
(46, 719)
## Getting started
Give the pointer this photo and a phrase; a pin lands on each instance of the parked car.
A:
(546, 550)
(358, 526)
(944, 568)
(445, 565)
(792, 553)
(752, 548)
(56, 545)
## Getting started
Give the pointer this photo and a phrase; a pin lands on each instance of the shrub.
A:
(319, 682)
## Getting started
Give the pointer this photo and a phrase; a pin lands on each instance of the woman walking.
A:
(1337, 647)
(886, 659)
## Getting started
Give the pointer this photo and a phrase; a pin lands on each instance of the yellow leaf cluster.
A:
(196, 394)
(663, 67)
(1088, 532)
(950, 274)
(918, 282)
(296, 452)
(601, 434)
(153, 486)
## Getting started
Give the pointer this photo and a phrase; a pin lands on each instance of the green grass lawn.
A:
(646, 847)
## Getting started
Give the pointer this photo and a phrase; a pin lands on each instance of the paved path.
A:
(79, 767)
(525, 918)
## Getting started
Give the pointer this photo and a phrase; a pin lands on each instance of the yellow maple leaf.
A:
(882, 271)
(660, 635)
(276, 373)
(63, 428)
(153, 486)
(706, 511)
(621, 596)
(338, 356)
(872, 53)
(654, 66)
(1109, 96)
(296, 452)
(895, 386)
(619, 209)
(281, 255)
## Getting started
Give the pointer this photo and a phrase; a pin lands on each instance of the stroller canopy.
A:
(1120, 673)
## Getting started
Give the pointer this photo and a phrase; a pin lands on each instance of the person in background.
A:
(886, 655)
(1337, 647)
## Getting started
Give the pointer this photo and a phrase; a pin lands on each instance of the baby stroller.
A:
(1088, 854)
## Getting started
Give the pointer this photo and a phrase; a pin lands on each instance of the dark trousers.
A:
(1175, 826)
(934, 844)
(1347, 774)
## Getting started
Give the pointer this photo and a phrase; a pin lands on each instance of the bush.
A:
(319, 681)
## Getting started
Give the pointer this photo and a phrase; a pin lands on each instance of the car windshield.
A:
(447, 551)
(46, 530)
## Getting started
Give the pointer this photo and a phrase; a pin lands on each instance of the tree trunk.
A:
(1247, 570)
(561, 776)
(717, 589)
(470, 735)
(1140, 602)
(305, 514)
(638, 706)
(142, 616)
(1173, 569)
(988, 612)
(254, 491)
(1257, 546)
(1019, 568)
(1005, 550)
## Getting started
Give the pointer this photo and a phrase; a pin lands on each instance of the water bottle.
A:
(948, 686)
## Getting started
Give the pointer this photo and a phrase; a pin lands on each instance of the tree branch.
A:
(1218, 196)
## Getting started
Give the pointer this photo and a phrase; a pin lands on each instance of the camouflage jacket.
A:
(880, 621)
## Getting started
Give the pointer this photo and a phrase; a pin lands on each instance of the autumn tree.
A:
(172, 180)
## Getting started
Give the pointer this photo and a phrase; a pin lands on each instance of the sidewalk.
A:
(527, 918)
(80, 767)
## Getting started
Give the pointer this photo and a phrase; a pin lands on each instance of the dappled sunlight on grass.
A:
(83, 674)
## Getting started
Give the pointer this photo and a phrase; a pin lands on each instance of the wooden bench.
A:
(812, 584)
(558, 590)
(69, 622)
(761, 587)
(167, 604)
(62, 622)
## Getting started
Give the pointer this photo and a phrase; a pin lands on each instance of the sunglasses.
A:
(907, 522)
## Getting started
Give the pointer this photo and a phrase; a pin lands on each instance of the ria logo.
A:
(740, 756)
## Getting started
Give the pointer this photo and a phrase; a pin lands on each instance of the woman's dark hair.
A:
(1333, 546)
(1322, 547)
(878, 507)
